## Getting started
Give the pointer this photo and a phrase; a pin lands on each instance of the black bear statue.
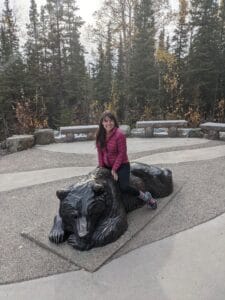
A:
(93, 212)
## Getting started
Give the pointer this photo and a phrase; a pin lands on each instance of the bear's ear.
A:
(98, 188)
(61, 194)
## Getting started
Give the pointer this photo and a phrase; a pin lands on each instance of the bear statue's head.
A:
(82, 206)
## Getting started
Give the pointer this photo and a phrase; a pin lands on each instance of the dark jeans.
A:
(124, 180)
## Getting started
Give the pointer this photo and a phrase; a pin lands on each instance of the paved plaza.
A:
(178, 254)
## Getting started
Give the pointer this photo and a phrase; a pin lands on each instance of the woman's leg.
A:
(124, 178)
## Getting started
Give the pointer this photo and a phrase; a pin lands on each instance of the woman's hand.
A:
(114, 175)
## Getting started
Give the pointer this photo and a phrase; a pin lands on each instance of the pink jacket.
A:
(115, 152)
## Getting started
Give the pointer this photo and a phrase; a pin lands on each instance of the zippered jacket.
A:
(115, 152)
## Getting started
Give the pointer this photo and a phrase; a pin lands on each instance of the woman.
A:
(112, 154)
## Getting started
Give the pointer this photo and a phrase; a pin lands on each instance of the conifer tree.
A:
(54, 12)
(180, 38)
(76, 79)
(100, 91)
(221, 81)
(120, 83)
(108, 65)
(62, 63)
(11, 70)
(203, 60)
(143, 75)
(32, 53)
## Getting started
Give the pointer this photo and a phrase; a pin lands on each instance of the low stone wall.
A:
(47, 136)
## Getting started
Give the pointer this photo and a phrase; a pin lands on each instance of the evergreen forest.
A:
(150, 62)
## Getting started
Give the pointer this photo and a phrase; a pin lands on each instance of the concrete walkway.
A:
(182, 266)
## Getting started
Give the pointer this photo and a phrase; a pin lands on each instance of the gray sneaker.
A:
(151, 202)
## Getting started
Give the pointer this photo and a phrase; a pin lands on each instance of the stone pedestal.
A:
(172, 132)
(149, 131)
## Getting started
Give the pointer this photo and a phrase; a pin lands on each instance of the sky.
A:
(87, 8)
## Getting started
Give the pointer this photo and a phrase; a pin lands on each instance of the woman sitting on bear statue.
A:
(112, 154)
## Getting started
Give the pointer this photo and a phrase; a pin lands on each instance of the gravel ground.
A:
(201, 198)
(37, 159)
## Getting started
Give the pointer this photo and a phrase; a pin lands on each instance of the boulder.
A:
(19, 142)
(44, 136)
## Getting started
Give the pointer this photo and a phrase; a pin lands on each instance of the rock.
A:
(44, 136)
(19, 142)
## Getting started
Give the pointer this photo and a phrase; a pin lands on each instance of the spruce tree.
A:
(221, 81)
(100, 91)
(203, 60)
(108, 65)
(120, 83)
(180, 38)
(76, 79)
(143, 75)
(54, 12)
(11, 70)
(32, 53)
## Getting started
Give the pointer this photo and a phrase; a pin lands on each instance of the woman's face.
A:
(108, 124)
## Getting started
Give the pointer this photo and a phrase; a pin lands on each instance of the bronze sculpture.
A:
(93, 212)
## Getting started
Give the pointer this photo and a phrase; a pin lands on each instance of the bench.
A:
(212, 129)
(172, 126)
(69, 131)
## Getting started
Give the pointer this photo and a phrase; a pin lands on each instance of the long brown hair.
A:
(101, 133)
